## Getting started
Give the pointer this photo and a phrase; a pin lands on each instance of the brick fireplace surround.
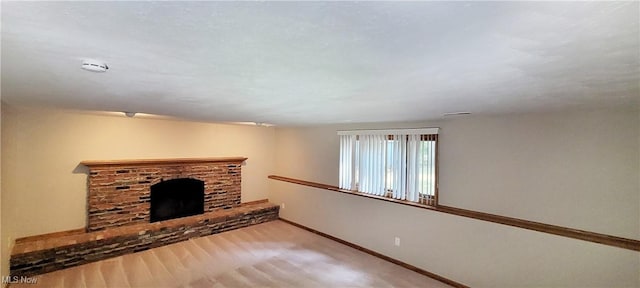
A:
(118, 213)
(119, 190)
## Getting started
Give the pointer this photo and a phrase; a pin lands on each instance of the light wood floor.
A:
(273, 254)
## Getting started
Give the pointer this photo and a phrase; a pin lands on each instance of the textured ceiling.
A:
(296, 63)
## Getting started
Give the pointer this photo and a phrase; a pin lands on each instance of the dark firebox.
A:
(176, 198)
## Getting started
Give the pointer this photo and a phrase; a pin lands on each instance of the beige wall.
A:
(43, 190)
(4, 245)
(578, 170)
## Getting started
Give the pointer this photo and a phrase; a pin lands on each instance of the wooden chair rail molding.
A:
(626, 243)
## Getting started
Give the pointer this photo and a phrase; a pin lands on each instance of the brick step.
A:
(43, 254)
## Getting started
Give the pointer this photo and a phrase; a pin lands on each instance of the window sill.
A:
(352, 192)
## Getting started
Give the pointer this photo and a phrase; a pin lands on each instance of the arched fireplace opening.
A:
(176, 198)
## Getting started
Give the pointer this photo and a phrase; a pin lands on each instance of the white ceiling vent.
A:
(94, 65)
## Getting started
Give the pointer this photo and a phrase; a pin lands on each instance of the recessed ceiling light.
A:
(94, 65)
(263, 124)
(456, 113)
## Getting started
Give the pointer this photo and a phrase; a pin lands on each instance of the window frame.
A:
(423, 198)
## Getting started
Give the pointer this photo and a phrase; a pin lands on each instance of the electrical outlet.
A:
(282, 206)
(397, 241)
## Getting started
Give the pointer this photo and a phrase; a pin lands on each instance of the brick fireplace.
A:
(119, 191)
(119, 212)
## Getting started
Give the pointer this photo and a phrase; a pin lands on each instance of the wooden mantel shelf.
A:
(149, 162)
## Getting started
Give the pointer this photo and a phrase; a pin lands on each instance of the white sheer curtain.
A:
(402, 161)
(429, 168)
(347, 151)
(414, 168)
(399, 166)
(372, 156)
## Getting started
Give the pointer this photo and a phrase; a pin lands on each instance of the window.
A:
(400, 164)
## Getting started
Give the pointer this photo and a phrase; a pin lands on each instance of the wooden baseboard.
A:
(381, 256)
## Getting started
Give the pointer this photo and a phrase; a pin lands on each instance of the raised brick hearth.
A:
(45, 254)
(118, 213)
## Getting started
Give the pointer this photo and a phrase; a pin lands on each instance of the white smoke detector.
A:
(94, 65)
